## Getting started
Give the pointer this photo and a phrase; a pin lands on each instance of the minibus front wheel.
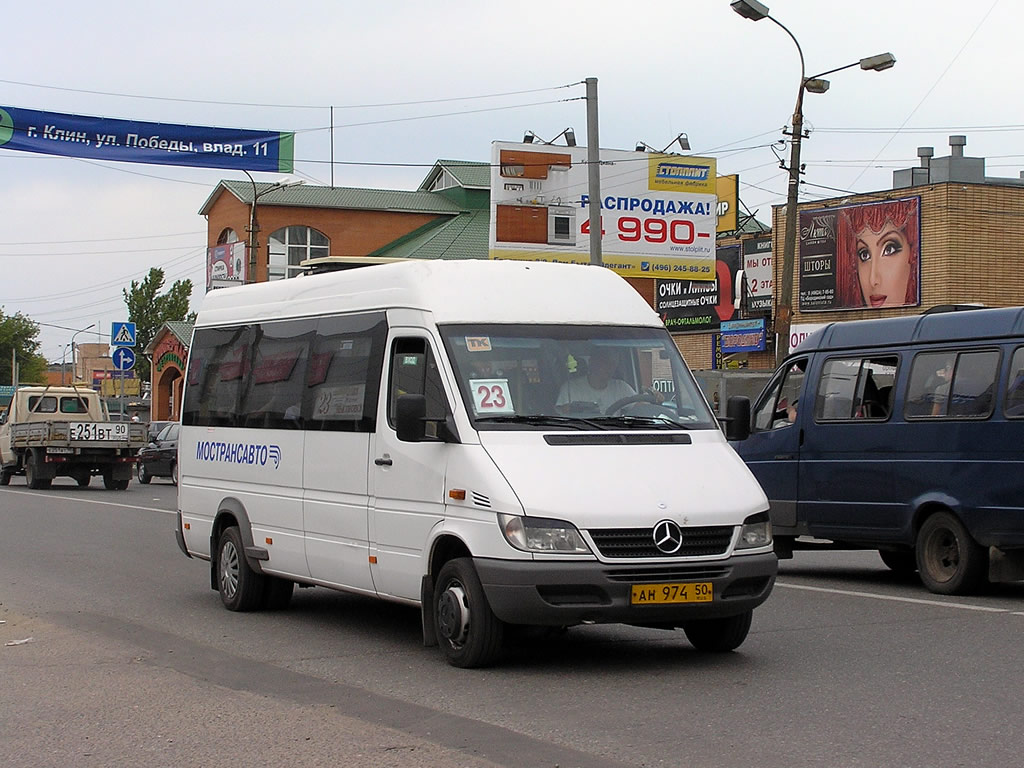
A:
(468, 632)
(949, 561)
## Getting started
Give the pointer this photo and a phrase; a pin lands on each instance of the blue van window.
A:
(779, 404)
(855, 388)
(1015, 386)
(951, 385)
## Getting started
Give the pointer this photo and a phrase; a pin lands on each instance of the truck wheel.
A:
(949, 561)
(32, 475)
(83, 477)
(719, 635)
(468, 632)
(240, 587)
(144, 477)
(5, 477)
(114, 485)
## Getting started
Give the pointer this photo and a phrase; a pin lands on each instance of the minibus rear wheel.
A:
(949, 561)
(719, 635)
(240, 587)
(469, 633)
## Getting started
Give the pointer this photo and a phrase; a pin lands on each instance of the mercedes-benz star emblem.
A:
(667, 537)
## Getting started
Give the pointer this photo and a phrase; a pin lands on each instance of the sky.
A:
(453, 77)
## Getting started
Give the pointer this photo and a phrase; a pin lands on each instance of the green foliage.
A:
(19, 333)
(149, 309)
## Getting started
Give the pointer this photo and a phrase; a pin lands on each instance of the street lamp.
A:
(253, 226)
(755, 11)
(73, 367)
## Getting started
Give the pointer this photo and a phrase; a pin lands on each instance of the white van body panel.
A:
(464, 291)
(336, 509)
(597, 486)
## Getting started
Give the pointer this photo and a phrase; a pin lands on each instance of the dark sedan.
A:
(160, 457)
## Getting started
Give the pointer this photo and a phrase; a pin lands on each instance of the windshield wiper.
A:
(543, 420)
(658, 422)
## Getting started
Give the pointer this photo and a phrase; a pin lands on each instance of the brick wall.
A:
(350, 232)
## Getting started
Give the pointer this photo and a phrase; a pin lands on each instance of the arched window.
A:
(227, 236)
(290, 246)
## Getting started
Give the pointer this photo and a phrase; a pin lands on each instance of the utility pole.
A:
(594, 172)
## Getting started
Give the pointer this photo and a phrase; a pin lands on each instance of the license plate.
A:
(83, 430)
(661, 594)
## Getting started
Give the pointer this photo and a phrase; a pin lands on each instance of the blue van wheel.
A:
(949, 561)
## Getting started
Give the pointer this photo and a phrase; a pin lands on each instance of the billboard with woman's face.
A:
(865, 256)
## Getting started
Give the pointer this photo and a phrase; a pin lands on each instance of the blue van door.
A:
(772, 451)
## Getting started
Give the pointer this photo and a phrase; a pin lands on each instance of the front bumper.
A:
(567, 593)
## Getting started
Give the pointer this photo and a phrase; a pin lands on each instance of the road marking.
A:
(894, 598)
(94, 501)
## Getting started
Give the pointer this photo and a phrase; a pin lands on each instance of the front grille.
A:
(639, 542)
(657, 574)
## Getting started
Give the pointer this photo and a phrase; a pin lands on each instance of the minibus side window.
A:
(343, 381)
(218, 369)
(855, 388)
(974, 384)
(278, 354)
(414, 372)
(1015, 386)
(778, 408)
(951, 385)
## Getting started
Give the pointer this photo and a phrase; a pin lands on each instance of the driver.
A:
(597, 386)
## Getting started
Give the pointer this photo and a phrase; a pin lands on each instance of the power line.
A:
(286, 106)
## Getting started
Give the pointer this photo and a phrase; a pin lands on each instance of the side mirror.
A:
(410, 418)
(737, 418)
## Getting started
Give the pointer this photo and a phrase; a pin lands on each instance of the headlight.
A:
(538, 534)
(756, 532)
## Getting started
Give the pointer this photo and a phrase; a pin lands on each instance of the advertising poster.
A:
(225, 265)
(861, 256)
(757, 272)
(658, 211)
(696, 305)
(728, 191)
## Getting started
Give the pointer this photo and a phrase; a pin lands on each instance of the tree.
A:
(18, 333)
(149, 310)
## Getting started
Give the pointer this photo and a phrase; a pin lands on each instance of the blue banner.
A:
(743, 336)
(132, 141)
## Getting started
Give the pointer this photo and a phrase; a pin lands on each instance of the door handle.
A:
(784, 456)
(383, 462)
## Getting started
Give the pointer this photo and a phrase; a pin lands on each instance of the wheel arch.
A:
(230, 512)
(927, 505)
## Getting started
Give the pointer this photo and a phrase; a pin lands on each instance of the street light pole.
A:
(254, 228)
(755, 11)
(74, 368)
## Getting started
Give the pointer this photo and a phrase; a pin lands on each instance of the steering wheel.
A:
(618, 405)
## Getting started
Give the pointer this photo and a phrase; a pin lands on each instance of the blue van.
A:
(904, 435)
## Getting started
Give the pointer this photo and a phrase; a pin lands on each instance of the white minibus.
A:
(494, 442)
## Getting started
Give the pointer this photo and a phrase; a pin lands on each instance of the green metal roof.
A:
(181, 329)
(469, 173)
(460, 237)
(309, 196)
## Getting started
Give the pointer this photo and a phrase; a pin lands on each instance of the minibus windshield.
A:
(574, 377)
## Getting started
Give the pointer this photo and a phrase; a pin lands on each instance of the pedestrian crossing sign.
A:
(122, 334)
